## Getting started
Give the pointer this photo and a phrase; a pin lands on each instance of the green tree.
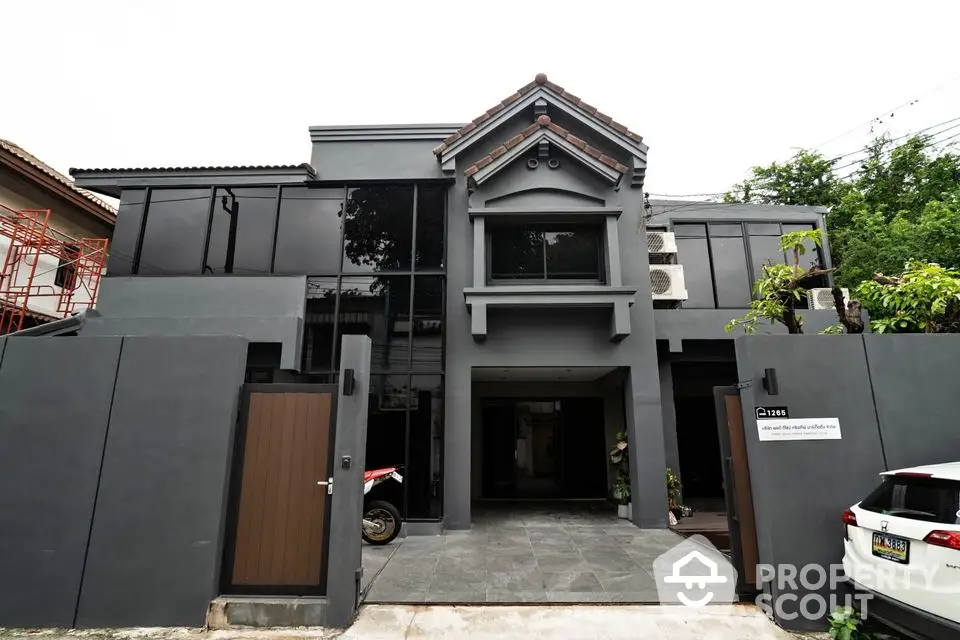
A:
(781, 287)
(875, 244)
(807, 178)
(899, 203)
(925, 298)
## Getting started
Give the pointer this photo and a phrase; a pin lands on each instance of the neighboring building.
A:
(502, 271)
(58, 258)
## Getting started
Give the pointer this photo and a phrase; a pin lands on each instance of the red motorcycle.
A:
(381, 520)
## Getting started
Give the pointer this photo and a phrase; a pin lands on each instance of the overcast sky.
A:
(714, 87)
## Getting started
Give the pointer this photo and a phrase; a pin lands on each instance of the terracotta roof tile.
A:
(541, 79)
(532, 129)
(32, 160)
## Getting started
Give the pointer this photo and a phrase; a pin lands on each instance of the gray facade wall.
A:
(115, 455)
(915, 387)
(551, 337)
(385, 160)
(800, 488)
(157, 536)
(260, 309)
(55, 397)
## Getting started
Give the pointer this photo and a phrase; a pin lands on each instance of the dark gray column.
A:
(457, 450)
(344, 551)
(645, 435)
(670, 449)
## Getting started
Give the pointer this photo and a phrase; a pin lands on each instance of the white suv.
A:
(902, 546)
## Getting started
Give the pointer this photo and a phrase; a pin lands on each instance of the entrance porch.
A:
(554, 552)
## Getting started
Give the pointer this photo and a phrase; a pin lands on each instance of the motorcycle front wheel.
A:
(381, 523)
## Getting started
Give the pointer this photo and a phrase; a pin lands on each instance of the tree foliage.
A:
(924, 298)
(779, 291)
(900, 203)
(806, 178)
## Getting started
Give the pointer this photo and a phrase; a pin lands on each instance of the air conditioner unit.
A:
(661, 242)
(666, 282)
(822, 298)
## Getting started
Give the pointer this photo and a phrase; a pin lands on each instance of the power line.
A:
(906, 135)
(892, 112)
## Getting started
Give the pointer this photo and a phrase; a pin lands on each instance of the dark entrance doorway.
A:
(543, 449)
(698, 443)
(280, 502)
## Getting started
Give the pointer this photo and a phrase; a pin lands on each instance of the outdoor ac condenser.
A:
(661, 242)
(666, 282)
(822, 298)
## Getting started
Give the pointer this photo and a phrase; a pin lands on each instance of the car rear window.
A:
(926, 499)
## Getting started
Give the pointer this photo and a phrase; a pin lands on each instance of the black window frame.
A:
(545, 226)
(748, 253)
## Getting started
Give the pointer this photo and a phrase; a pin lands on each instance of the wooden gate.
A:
(736, 482)
(280, 502)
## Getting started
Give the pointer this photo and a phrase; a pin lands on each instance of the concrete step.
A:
(229, 612)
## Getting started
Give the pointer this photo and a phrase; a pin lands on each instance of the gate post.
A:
(346, 512)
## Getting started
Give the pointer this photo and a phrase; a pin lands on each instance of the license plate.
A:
(891, 548)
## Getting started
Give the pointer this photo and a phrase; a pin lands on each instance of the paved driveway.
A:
(575, 552)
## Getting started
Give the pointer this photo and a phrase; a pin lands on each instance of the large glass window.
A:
(378, 232)
(308, 231)
(546, 252)
(126, 232)
(425, 447)
(175, 232)
(319, 324)
(693, 253)
(431, 213)
(378, 307)
(428, 323)
(715, 262)
(241, 232)
(730, 266)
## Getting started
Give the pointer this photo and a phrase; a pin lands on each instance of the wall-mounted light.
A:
(770, 383)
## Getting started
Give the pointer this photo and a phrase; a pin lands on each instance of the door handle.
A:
(328, 484)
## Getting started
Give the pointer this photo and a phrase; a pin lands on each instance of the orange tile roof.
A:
(540, 80)
(34, 161)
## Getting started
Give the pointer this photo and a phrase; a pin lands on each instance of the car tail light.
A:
(849, 520)
(948, 539)
(912, 474)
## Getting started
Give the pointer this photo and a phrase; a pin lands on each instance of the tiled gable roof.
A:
(532, 130)
(35, 162)
(540, 80)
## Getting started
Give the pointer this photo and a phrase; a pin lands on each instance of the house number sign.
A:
(768, 413)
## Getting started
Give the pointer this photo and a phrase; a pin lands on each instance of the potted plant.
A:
(620, 458)
(673, 494)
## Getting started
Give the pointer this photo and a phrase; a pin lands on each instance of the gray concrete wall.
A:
(376, 160)
(800, 488)
(157, 537)
(55, 396)
(708, 324)
(260, 309)
(915, 386)
(671, 449)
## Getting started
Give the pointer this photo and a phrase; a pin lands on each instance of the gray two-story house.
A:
(525, 300)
